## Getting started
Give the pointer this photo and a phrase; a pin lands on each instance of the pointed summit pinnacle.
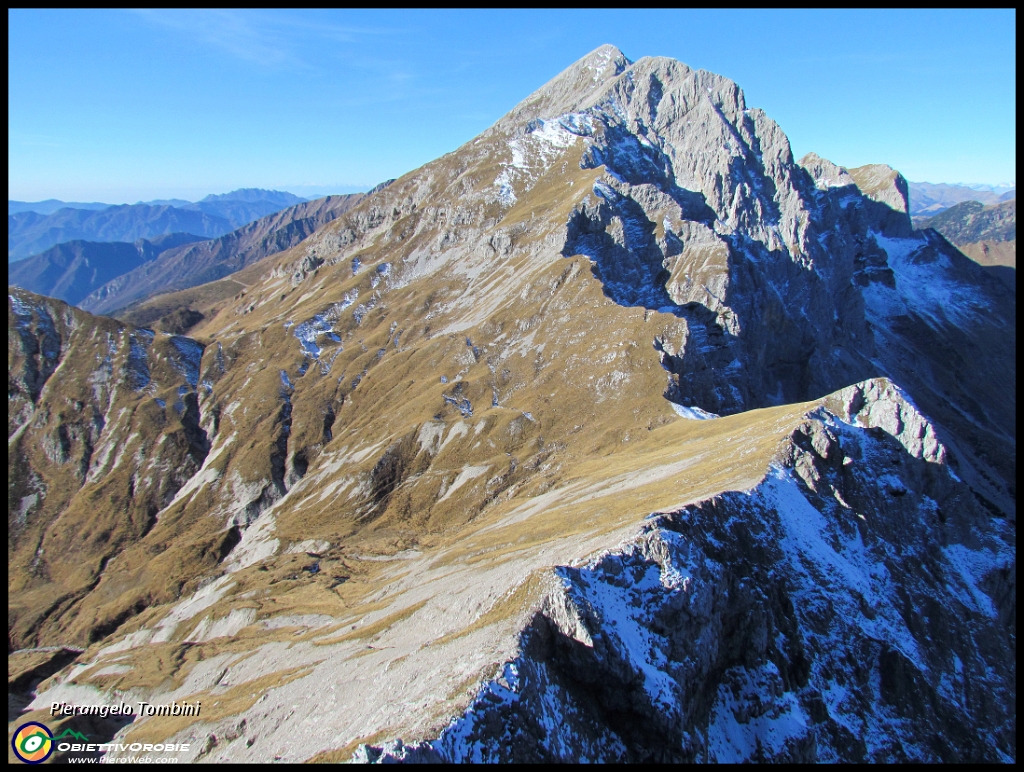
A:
(572, 87)
(605, 61)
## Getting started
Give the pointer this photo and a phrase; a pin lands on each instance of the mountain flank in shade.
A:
(73, 270)
(986, 234)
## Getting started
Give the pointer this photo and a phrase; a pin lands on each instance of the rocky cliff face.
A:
(435, 429)
(829, 613)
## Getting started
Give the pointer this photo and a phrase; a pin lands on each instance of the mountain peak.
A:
(570, 88)
(256, 194)
(882, 183)
(605, 61)
(825, 173)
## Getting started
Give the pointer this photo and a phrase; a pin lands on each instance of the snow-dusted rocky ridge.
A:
(435, 433)
(831, 613)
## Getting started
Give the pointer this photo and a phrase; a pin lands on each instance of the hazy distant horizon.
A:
(303, 191)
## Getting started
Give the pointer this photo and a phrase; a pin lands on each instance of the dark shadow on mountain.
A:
(1005, 274)
(643, 164)
(27, 668)
(97, 730)
(630, 266)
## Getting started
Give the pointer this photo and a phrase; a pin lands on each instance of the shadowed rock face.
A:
(434, 430)
(824, 615)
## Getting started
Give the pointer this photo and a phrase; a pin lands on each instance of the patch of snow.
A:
(693, 413)
(137, 362)
(534, 153)
(381, 272)
(309, 332)
(364, 308)
(923, 283)
(970, 567)
(463, 405)
(734, 735)
(190, 354)
(506, 194)
(22, 312)
(822, 571)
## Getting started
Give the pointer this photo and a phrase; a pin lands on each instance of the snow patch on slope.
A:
(322, 325)
(925, 285)
(190, 353)
(693, 413)
(533, 153)
(736, 733)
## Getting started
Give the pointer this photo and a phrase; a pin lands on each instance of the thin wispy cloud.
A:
(340, 32)
(231, 32)
(272, 40)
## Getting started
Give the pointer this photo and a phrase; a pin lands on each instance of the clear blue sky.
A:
(121, 106)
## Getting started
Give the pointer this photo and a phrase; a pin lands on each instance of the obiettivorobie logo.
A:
(33, 743)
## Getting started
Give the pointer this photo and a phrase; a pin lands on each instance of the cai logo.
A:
(32, 743)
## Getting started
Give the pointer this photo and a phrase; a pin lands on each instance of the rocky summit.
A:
(616, 434)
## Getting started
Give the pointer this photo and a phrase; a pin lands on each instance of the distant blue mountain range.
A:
(33, 228)
(927, 199)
